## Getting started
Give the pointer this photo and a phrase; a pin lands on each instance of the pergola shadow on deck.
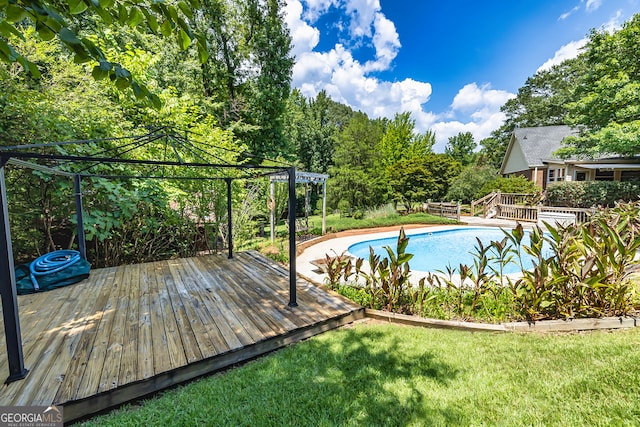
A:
(133, 330)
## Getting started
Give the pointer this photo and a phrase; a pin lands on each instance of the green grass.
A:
(337, 223)
(388, 375)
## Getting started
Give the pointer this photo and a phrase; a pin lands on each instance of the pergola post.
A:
(292, 236)
(82, 244)
(8, 290)
(272, 209)
(324, 207)
(229, 222)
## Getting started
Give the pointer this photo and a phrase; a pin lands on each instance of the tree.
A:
(606, 107)
(461, 147)
(247, 75)
(411, 182)
(312, 126)
(466, 185)
(400, 141)
(443, 169)
(542, 101)
(61, 20)
(355, 177)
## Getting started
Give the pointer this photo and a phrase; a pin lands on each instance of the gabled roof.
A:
(536, 145)
(539, 143)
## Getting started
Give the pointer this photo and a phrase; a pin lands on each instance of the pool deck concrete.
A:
(341, 242)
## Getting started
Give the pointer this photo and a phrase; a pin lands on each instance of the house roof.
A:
(533, 146)
(539, 143)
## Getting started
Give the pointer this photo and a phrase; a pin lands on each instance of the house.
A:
(530, 154)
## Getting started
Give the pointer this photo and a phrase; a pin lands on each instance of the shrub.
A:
(516, 184)
(593, 193)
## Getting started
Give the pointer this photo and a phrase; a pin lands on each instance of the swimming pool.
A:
(436, 250)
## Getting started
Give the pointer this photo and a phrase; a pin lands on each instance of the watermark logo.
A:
(31, 416)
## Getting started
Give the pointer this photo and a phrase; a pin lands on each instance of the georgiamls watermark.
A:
(31, 416)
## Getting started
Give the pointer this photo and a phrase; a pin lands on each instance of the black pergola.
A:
(78, 166)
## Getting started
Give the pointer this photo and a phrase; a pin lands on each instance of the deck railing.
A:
(531, 213)
(447, 210)
(521, 207)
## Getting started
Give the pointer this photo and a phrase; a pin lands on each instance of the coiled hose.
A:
(52, 263)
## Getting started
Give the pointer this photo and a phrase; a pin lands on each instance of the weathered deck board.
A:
(132, 330)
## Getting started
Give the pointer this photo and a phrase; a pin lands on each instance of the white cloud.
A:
(472, 97)
(568, 14)
(386, 42)
(304, 36)
(352, 82)
(593, 5)
(568, 51)
(315, 8)
(362, 14)
(483, 105)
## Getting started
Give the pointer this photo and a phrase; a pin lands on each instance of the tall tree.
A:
(400, 141)
(248, 72)
(462, 148)
(542, 101)
(606, 107)
(355, 177)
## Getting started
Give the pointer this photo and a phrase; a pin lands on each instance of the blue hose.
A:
(52, 263)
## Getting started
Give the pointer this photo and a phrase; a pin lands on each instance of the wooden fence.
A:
(447, 210)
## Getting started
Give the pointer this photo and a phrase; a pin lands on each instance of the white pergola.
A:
(301, 178)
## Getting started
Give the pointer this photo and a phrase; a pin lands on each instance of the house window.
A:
(604, 175)
(581, 176)
(630, 175)
(551, 175)
(560, 175)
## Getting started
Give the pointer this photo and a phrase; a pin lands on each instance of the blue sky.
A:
(452, 64)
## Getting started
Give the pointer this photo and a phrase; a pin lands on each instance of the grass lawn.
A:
(390, 375)
(337, 223)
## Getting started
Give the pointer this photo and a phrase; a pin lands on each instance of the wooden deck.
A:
(132, 330)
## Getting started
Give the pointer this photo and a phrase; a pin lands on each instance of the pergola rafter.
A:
(47, 158)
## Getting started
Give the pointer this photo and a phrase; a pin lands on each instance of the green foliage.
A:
(514, 184)
(411, 182)
(462, 148)
(387, 281)
(606, 98)
(354, 176)
(578, 271)
(465, 186)
(338, 268)
(127, 222)
(247, 74)
(60, 21)
(587, 194)
(313, 125)
(588, 273)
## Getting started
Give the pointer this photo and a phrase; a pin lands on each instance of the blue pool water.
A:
(435, 251)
